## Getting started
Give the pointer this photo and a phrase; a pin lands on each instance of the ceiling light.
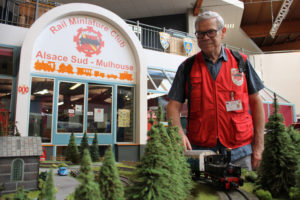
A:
(42, 92)
(75, 86)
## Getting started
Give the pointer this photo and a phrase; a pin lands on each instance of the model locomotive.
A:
(215, 168)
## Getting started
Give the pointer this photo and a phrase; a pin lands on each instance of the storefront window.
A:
(99, 109)
(41, 102)
(171, 75)
(6, 61)
(5, 94)
(158, 80)
(6, 70)
(70, 107)
(125, 108)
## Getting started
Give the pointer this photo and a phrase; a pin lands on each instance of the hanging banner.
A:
(188, 45)
(164, 40)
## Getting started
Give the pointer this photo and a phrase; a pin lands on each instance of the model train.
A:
(215, 168)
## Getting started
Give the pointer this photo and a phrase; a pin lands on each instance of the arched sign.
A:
(83, 47)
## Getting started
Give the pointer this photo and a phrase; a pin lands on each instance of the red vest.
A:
(208, 117)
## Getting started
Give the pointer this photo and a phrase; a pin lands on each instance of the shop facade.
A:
(81, 71)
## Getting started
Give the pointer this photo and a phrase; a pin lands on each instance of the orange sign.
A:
(81, 71)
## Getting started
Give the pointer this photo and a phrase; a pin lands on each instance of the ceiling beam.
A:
(285, 46)
(197, 7)
(262, 30)
(284, 10)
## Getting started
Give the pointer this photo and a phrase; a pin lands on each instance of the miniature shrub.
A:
(263, 194)
(21, 194)
(70, 197)
(54, 166)
(294, 194)
(62, 165)
(43, 175)
(250, 176)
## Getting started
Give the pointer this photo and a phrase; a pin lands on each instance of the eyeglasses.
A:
(210, 33)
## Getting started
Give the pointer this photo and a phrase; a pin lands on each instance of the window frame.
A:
(13, 178)
(116, 114)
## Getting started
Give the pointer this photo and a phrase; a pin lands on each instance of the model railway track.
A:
(236, 194)
(124, 180)
(126, 169)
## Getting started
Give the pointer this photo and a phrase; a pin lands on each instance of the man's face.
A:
(208, 44)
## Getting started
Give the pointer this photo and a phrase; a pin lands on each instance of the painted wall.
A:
(162, 60)
(280, 72)
(12, 35)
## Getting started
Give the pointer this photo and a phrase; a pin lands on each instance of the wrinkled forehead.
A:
(207, 24)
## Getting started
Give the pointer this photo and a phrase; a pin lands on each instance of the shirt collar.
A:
(223, 55)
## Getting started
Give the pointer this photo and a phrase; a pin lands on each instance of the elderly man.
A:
(219, 95)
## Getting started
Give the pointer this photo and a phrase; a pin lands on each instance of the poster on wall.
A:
(84, 47)
(123, 118)
(99, 115)
(78, 108)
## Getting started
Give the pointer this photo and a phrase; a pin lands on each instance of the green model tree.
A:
(88, 189)
(278, 165)
(152, 178)
(48, 191)
(94, 150)
(172, 164)
(21, 194)
(109, 181)
(72, 153)
(297, 193)
(183, 167)
(295, 137)
(84, 144)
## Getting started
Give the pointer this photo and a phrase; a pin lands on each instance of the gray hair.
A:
(208, 15)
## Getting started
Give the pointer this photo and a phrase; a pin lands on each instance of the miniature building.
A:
(19, 162)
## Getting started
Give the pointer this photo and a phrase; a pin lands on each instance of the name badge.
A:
(234, 105)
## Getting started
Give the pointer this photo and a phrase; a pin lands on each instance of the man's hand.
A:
(256, 157)
(173, 112)
(258, 117)
(186, 143)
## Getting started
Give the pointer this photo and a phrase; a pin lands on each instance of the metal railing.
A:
(149, 37)
(25, 12)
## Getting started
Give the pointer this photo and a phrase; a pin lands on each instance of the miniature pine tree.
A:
(94, 151)
(21, 194)
(109, 181)
(298, 181)
(171, 163)
(88, 189)
(278, 165)
(183, 166)
(152, 179)
(84, 144)
(72, 153)
(295, 137)
(48, 191)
